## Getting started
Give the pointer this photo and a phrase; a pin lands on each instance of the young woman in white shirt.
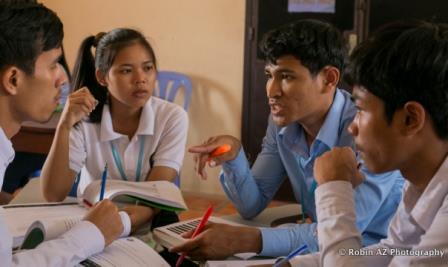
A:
(112, 117)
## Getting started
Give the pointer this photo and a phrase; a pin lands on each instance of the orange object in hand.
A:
(220, 150)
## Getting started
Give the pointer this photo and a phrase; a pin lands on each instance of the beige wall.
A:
(202, 38)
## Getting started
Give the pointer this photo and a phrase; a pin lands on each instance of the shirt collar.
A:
(145, 125)
(290, 131)
(329, 131)
(6, 149)
(428, 203)
(147, 119)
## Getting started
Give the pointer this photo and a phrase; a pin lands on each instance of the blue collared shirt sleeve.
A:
(281, 241)
(376, 201)
(247, 195)
(252, 190)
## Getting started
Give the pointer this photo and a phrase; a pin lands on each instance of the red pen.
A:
(197, 231)
(87, 203)
(220, 150)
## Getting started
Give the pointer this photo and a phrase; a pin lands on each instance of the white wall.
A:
(201, 38)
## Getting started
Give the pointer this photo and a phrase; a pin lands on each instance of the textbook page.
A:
(19, 218)
(47, 229)
(160, 194)
(128, 251)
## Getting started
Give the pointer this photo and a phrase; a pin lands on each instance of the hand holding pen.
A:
(198, 229)
(284, 261)
(291, 255)
(215, 151)
(102, 188)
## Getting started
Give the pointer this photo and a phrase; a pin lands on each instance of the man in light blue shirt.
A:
(309, 116)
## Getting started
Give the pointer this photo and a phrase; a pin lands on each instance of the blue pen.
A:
(103, 182)
(290, 256)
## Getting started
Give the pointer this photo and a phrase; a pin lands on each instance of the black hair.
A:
(107, 47)
(10, 3)
(63, 62)
(406, 61)
(26, 30)
(315, 43)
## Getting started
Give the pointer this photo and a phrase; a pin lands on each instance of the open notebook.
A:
(47, 229)
(36, 223)
(20, 219)
(160, 194)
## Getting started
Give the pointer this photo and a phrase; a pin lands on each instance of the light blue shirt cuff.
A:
(238, 167)
(234, 175)
(281, 241)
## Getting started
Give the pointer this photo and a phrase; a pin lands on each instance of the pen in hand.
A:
(220, 150)
(290, 256)
(197, 231)
(103, 182)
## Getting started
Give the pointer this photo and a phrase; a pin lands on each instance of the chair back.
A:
(170, 83)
